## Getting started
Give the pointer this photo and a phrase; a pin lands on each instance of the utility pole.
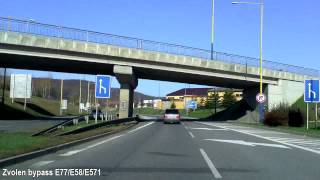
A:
(61, 96)
(4, 85)
(80, 98)
(88, 96)
(215, 101)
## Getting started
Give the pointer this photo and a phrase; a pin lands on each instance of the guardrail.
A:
(32, 27)
(94, 126)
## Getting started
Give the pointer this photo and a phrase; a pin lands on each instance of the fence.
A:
(31, 27)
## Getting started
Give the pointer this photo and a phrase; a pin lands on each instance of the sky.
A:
(291, 28)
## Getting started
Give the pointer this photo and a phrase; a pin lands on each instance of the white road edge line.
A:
(141, 127)
(70, 153)
(288, 144)
(213, 169)
(41, 163)
(192, 136)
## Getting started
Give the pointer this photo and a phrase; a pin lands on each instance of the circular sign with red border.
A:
(261, 98)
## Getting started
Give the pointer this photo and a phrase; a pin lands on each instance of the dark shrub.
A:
(276, 118)
(295, 118)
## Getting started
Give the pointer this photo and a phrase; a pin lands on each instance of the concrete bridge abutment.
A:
(286, 92)
(128, 82)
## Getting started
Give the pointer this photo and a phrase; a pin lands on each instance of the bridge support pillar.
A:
(286, 92)
(128, 82)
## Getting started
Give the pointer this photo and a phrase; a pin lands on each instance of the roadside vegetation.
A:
(291, 119)
(18, 143)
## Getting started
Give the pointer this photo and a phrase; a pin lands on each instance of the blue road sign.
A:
(192, 104)
(103, 86)
(311, 91)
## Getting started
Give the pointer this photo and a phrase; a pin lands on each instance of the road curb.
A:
(30, 155)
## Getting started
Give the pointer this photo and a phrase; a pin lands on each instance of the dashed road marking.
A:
(41, 163)
(192, 136)
(213, 169)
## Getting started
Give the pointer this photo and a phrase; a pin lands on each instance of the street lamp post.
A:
(212, 29)
(261, 4)
(261, 36)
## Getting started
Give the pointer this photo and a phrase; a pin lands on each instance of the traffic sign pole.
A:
(316, 115)
(95, 102)
(307, 116)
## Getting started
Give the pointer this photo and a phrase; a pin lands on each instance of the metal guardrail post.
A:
(9, 24)
(87, 36)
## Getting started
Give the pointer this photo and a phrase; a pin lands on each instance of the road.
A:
(27, 125)
(191, 150)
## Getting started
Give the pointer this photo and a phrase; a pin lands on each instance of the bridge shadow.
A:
(10, 113)
(37, 108)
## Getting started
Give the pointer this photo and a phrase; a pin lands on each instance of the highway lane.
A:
(191, 150)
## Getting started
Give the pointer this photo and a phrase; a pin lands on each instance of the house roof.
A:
(198, 91)
(190, 92)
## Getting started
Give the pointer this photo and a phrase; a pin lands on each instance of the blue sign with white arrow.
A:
(311, 91)
(192, 105)
(103, 86)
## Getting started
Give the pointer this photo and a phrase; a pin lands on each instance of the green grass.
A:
(77, 126)
(18, 143)
(300, 104)
(38, 106)
(199, 113)
(148, 111)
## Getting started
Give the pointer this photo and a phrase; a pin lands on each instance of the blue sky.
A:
(291, 27)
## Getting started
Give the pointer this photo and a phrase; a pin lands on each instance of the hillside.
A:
(50, 89)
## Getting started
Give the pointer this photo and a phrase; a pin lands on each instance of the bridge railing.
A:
(31, 27)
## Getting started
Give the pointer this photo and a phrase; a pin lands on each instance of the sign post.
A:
(316, 109)
(311, 95)
(103, 85)
(20, 87)
(261, 99)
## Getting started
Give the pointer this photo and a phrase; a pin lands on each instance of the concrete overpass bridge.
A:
(31, 45)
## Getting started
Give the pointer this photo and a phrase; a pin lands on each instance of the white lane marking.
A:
(288, 144)
(41, 163)
(141, 127)
(252, 144)
(265, 132)
(192, 136)
(70, 153)
(209, 129)
(213, 169)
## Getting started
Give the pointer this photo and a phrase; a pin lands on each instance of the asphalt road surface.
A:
(191, 150)
(27, 125)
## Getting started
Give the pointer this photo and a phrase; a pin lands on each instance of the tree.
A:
(213, 101)
(228, 98)
(202, 102)
(173, 105)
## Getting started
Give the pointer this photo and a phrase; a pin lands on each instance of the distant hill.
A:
(50, 88)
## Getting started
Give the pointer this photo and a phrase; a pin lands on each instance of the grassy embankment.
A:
(18, 143)
(36, 107)
(314, 131)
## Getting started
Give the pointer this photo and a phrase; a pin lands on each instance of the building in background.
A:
(221, 91)
(200, 95)
(182, 96)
